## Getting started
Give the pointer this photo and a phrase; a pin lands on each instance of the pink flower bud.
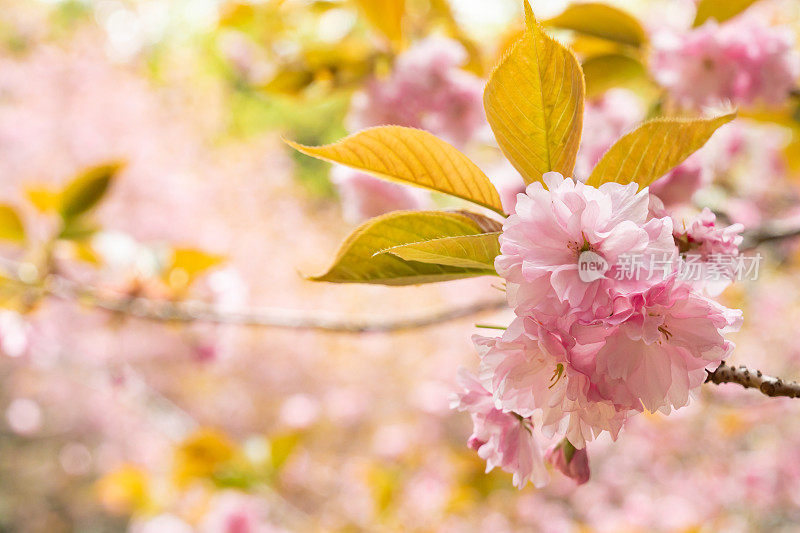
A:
(571, 462)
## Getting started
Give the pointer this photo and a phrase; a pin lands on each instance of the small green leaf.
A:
(720, 10)
(281, 448)
(607, 71)
(357, 261)
(11, 228)
(653, 149)
(603, 21)
(468, 251)
(84, 192)
(77, 229)
(569, 450)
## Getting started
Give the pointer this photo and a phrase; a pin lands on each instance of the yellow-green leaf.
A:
(654, 148)
(357, 261)
(607, 71)
(721, 10)
(386, 16)
(534, 104)
(11, 228)
(601, 20)
(43, 198)
(413, 157)
(468, 251)
(84, 192)
(188, 264)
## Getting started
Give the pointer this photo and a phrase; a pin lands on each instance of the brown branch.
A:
(754, 379)
(188, 311)
(767, 234)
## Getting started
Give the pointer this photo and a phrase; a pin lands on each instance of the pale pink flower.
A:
(655, 348)
(680, 184)
(710, 252)
(543, 241)
(237, 512)
(14, 334)
(532, 373)
(576, 466)
(502, 439)
(705, 238)
(745, 61)
(427, 90)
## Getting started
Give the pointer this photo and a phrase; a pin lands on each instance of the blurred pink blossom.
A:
(428, 90)
(744, 61)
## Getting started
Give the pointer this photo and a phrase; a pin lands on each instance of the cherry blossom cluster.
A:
(427, 89)
(746, 60)
(584, 355)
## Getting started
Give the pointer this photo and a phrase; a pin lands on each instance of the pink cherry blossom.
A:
(681, 183)
(655, 348)
(705, 238)
(532, 373)
(745, 60)
(543, 241)
(501, 438)
(428, 90)
(576, 466)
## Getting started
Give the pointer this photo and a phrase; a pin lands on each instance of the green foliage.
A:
(413, 157)
(534, 104)
(11, 227)
(604, 72)
(468, 251)
(655, 147)
(84, 192)
(603, 21)
(360, 259)
(720, 10)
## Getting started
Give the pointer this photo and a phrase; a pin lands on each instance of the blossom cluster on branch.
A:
(583, 356)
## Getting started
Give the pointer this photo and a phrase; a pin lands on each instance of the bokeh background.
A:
(111, 422)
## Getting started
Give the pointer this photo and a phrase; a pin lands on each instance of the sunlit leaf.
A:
(386, 16)
(384, 484)
(601, 20)
(612, 70)
(11, 228)
(189, 263)
(77, 229)
(654, 148)
(534, 103)
(721, 10)
(357, 262)
(84, 192)
(413, 157)
(468, 251)
(201, 455)
(44, 199)
(281, 447)
(124, 490)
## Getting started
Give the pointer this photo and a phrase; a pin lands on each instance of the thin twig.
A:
(188, 311)
(754, 379)
(765, 234)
